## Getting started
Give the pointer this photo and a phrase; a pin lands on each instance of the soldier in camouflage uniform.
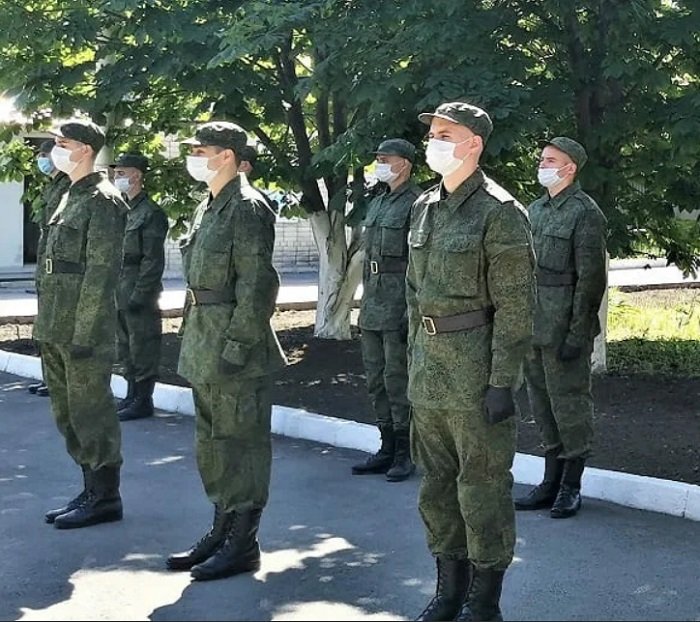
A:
(229, 351)
(143, 261)
(470, 292)
(569, 232)
(77, 321)
(383, 318)
(54, 190)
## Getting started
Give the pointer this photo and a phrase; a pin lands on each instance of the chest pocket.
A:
(211, 262)
(393, 237)
(556, 248)
(67, 240)
(132, 235)
(456, 263)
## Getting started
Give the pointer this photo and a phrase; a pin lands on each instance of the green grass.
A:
(656, 332)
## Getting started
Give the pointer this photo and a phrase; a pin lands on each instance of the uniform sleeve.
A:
(103, 249)
(591, 282)
(412, 312)
(153, 257)
(256, 284)
(510, 278)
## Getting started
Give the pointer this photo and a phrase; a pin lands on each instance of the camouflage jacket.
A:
(228, 250)
(469, 250)
(385, 240)
(55, 188)
(143, 258)
(83, 256)
(569, 233)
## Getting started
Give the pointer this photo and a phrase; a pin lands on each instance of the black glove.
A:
(227, 368)
(499, 404)
(568, 352)
(135, 306)
(80, 352)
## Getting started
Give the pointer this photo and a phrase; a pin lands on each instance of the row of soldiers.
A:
(458, 299)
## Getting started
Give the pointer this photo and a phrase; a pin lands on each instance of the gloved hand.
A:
(227, 368)
(135, 306)
(568, 352)
(499, 404)
(80, 352)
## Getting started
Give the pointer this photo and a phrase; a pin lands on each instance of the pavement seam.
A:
(626, 489)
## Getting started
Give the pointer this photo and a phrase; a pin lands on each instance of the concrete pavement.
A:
(336, 547)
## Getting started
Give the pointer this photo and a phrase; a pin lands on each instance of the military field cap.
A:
(571, 148)
(249, 154)
(473, 117)
(47, 146)
(82, 130)
(131, 160)
(219, 134)
(398, 147)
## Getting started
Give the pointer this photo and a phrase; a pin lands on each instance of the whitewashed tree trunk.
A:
(340, 273)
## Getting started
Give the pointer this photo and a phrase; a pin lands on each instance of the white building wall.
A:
(11, 226)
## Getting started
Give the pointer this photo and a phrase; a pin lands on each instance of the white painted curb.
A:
(635, 491)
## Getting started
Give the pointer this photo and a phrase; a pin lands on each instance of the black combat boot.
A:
(402, 468)
(568, 501)
(381, 461)
(43, 391)
(239, 553)
(483, 600)
(102, 504)
(51, 515)
(206, 546)
(33, 388)
(544, 494)
(130, 394)
(142, 404)
(451, 590)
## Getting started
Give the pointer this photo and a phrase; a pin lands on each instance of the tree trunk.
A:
(340, 272)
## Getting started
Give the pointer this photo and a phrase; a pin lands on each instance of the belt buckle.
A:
(429, 325)
(374, 267)
(190, 296)
(48, 265)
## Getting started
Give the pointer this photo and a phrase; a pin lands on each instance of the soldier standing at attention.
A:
(76, 323)
(139, 324)
(229, 351)
(55, 188)
(470, 291)
(570, 233)
(383, 318)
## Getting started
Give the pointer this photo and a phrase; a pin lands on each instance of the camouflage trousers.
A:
(138, 342)
(465, 495)
(233, 445)
(561, 400)
(384, 358)
(83, 405)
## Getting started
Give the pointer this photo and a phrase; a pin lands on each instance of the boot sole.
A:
(105, 518)
(530, 508)
(231, 572)
(372, 472)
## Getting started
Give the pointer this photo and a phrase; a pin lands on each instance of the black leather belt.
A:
(388, 264)
(455, 323)
(132, 260)
(208, 296)
(549, 279)
(55, 266)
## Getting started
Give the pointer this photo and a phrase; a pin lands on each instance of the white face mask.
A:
(61, 159)
(198, 167)
(384, 173)
(122, 184)
(440, 156)
(548, 177)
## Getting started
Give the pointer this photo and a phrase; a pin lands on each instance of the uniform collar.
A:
(229, 190)
(136, 201)
(402, 189)
(91, 179)
(557, 201)
(465, 190)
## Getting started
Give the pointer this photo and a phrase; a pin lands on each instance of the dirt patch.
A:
(644, 424)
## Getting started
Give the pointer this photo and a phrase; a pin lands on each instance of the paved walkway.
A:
(336, 547)
(18, 300)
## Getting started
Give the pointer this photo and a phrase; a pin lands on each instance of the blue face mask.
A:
(45, 165)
